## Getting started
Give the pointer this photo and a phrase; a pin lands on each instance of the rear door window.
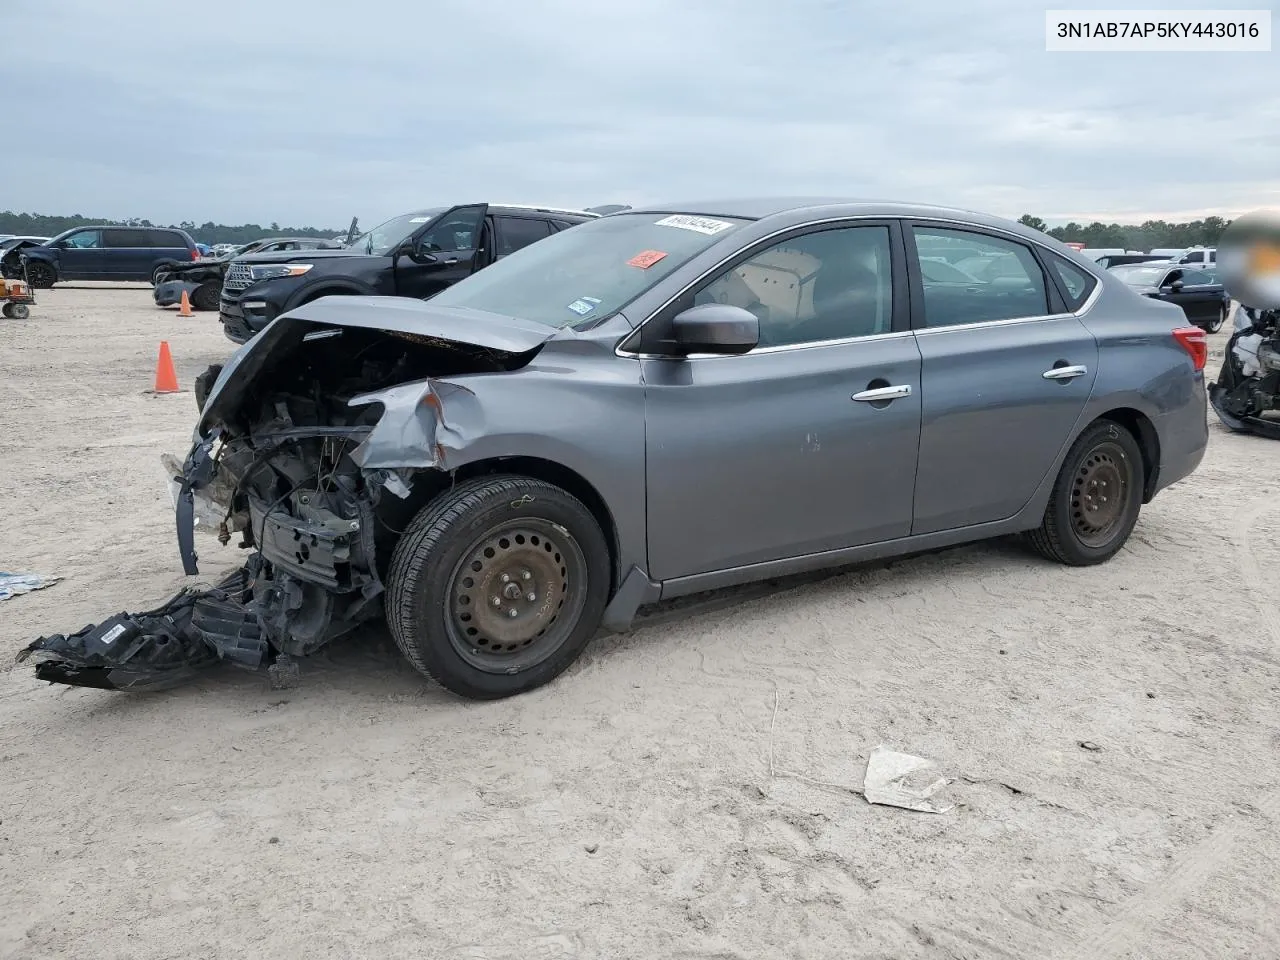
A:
(517, 232)
(125, 238)
(1007, 282)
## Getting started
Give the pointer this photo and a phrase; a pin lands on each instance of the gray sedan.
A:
(669, 400)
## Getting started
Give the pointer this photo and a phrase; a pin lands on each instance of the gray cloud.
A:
(309, 111)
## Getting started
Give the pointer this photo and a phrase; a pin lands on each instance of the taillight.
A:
(1196, 342)
(195, 254)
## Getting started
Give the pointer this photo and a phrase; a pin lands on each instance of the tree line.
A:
(1148, 236)
(40, 225)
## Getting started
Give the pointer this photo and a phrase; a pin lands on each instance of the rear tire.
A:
(16, 311)
(207, 296)
(1214, 325)
(41, 275)
(497, 586)
(1096, 499)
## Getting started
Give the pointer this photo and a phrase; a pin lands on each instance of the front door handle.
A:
(880, 394)
(1065, 373)
(451, 260)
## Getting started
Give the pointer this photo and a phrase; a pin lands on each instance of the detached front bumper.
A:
(169, 292)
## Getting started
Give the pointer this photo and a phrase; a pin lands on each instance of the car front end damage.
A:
(317, 444)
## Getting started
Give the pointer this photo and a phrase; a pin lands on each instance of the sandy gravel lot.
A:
(628, 810)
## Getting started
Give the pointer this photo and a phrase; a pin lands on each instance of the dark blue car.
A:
(108, 253)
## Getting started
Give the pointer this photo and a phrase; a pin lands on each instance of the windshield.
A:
(1139, 276)
(385, 237)
(589, 271)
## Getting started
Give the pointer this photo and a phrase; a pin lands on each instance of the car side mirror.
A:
(716, 328)
(416, 251)
(1175, 286)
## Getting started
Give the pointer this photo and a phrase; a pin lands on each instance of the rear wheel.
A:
(40, 275)
(206, 296)
(16, 311)
(1096, 499)
(497, 586)
(1214, 325)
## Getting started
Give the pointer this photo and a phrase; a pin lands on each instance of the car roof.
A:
(757, 208)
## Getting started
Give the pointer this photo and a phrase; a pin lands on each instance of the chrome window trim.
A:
(902, 220)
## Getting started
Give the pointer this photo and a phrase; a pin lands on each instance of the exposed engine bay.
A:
(1248, 386)
(303, 463)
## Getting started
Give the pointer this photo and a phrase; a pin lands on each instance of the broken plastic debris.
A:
(12, 584)
(901, 780)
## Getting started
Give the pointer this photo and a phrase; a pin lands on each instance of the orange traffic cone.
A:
(166, 375)
(185, 309)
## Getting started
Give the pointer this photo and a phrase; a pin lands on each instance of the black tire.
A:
(1214, 325)
(41, 275)
(16, 311)
(158, 273)
(1086, 520)
(475, 544)
(207, 296)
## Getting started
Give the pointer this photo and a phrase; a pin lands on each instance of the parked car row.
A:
(415, 255)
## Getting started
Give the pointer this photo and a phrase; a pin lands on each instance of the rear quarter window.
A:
(1074, 283)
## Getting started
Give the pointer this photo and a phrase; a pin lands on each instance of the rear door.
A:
(127, 253)
(446, 249)
(1006, 370)
(166, 245)
(82, 257)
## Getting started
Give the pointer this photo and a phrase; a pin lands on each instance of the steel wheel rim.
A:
(1100, 494)
(509, 564)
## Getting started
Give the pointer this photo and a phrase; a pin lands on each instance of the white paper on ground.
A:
(901, 780)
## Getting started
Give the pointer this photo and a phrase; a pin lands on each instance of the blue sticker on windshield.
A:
(584, 305)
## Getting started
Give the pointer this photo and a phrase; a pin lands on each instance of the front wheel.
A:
(207, 296)
(1095, 500)
(40, 275)
(16, 311)
(497, 586)
(157, 275)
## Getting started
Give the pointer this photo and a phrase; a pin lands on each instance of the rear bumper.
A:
(1184, 437)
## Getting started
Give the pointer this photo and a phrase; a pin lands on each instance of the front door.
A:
(807, 443)
(1005, 378)
(1199, 296)
(81, 256)
(447, 249)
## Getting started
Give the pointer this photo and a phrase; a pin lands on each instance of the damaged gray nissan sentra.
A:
(656, 403)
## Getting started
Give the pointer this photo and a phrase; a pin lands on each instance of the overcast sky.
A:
(307, 112)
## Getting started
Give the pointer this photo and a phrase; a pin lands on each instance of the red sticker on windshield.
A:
(646, 259)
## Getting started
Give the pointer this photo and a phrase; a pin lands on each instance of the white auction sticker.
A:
(113, 634)
(1140, 31)
(697, 224)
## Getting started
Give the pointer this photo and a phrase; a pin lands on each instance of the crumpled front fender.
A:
(422, 424)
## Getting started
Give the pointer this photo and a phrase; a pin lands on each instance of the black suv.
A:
(107, 253)
(414, 255)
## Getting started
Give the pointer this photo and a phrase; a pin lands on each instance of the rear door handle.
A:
(1065, 373)
(880, 394)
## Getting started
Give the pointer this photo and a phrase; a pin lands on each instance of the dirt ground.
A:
(684, 791)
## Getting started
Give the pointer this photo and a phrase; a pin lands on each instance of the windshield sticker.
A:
(584, 305)
(419, 219)
(646, 259)
(697, 224)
